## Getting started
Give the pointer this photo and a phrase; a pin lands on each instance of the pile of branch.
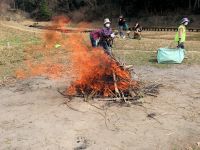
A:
(151, 90)
(132, 93)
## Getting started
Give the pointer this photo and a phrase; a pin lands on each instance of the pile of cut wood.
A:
(116, 84)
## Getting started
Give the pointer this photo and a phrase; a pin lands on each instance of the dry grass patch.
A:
(143, 52)
(12, 45)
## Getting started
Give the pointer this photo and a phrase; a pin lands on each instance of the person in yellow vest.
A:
(181, 34)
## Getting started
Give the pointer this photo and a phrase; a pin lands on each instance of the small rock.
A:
(81, 143)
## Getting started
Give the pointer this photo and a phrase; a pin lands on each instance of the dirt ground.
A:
(34, 116)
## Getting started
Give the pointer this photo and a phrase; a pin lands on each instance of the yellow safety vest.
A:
(183, 38)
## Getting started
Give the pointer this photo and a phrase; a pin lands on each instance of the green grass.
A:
(143, 52)
(19, 40)
(12, 45)
(141, 58)
(192, 147)
(195, 37)
(10, 59)
(11, 55)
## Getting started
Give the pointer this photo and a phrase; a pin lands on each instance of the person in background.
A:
(122, 26)
(181, 34)
(106, 37)
(137, 31)
(95, 37)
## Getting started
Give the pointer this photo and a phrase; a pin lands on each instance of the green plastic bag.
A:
(170, 56)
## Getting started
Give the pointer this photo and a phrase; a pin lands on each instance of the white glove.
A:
(112, 35)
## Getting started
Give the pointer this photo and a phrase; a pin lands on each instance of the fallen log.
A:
(117, 99)
(115, 84)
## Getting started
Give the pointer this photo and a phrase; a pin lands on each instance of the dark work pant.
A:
(181, 45)
(93, 42)
(107, 48)
(121, 31)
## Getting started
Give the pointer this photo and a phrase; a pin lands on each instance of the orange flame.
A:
(92, 68)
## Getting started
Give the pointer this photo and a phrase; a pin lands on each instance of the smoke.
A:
(55, 60)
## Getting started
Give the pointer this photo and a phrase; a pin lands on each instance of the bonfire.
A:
(107, 78)
(97, 75)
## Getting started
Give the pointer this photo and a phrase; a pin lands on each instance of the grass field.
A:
(143, 52)
(14, 43)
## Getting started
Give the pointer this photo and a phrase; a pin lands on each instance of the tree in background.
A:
(98, 9)
(44, 12)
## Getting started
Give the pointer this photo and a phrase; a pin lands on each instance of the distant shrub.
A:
(44, 12)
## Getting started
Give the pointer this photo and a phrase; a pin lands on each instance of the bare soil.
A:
(35, 116)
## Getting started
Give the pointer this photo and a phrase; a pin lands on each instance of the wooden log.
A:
(128, 67)
(91, 95)
(151, 94)
(117, 99)
(115, 85)
(85, 96)
(111, 92)
(124, 98)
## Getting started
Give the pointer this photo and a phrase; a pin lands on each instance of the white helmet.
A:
(107, 20)
(185, 20)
